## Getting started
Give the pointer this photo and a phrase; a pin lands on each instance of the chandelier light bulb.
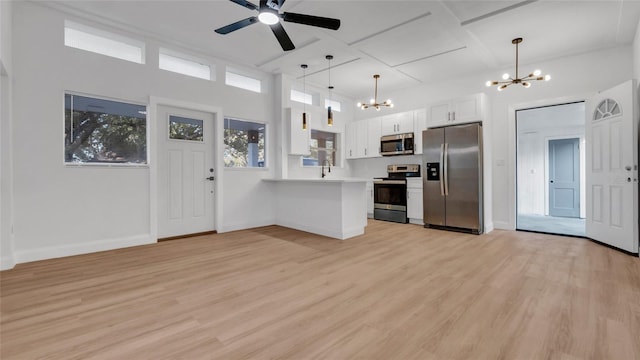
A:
(391, 105)
(518, 79)
(388, 101)
(372, 101)
(359, 104)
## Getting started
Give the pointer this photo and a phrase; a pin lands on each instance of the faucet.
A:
(328, 166)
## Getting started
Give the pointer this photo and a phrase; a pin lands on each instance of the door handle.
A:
(446, 169)
(210, 178)
(441, 169)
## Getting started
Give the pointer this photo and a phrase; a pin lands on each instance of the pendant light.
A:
(525, 81)
(329, 111)
(304, 86)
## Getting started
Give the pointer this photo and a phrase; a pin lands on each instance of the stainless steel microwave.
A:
(400, 144)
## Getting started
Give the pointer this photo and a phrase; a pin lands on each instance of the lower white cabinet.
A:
(414, 200)
(369, 189)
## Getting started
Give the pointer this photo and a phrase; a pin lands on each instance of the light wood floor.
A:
(398, 292)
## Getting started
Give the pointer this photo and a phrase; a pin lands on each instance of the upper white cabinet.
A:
(351, 140)
(461, 110)
(298, 138)
(363, 139)
(373, 137)
(399, 123)
(419, 124)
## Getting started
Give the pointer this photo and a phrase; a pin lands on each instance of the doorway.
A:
(186, 171)
(550, 162)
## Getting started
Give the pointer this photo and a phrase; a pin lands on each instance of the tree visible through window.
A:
(104, 131)
(323, 149)
(244, 143)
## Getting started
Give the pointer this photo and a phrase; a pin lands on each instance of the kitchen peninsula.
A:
(335, 208)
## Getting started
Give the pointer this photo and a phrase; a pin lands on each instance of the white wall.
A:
(574, 78)
(6, 168)
(636, 53)
(62, 210)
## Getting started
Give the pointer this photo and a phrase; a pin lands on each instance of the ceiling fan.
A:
(268, 13)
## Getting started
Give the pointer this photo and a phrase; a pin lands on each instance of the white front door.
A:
(185, 172)
(612, 167)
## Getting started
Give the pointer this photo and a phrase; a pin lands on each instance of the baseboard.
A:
(7, 262)
(22, 256)
(502, 225)
(245, 225)
(319, 230)
(488, 228)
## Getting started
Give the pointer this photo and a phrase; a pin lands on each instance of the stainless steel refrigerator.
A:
(452, 178)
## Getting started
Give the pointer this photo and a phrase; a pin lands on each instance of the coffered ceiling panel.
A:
(450, 65)
(423, 37)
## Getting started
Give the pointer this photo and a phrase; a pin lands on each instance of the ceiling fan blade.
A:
(282, 37)
(323, 22)
(246, 4)
(237, 25)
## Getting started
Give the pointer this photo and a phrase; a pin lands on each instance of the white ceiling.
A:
(407, 42)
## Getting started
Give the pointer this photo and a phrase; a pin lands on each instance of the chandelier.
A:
(525, 81)
(374, 101)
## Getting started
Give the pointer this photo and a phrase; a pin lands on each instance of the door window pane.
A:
(185, 129)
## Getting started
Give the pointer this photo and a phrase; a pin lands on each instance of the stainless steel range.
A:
(390, 193)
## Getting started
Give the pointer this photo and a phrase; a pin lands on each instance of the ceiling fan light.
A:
(547, 77)
(268, 17)
(505, 76)
(537, 73)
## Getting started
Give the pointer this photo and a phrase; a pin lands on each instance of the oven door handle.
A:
(441, 169)
(390, 182)
(446, 169)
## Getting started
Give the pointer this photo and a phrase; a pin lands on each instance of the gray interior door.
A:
(564, 177)
(432, 178)
(463, 175)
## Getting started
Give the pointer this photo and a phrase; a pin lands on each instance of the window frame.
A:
(189, 59)
(335, 151)
(266, 143)
(242, 74)
(105, 164)
(108, 35)
(333, 107)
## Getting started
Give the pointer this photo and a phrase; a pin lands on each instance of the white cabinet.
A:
(399, 123)
(369, 189)
(461, 110)
(373, 137)
(414, 200)
(363, 139)
(298, 138)
(351, 140)
(419, 124)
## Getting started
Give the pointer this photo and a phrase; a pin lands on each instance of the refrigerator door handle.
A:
(441, 169)
(446, 169)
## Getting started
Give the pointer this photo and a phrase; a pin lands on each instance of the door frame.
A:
(154, 156)
(581, 175)
(512, 139)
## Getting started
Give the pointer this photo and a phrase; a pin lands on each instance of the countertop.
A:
(325, 180)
